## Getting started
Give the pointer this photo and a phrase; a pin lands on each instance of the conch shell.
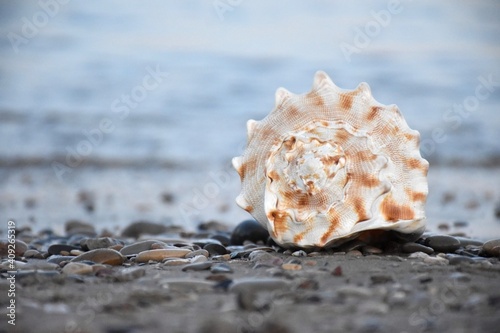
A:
(329, 165)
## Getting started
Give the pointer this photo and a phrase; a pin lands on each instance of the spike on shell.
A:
(332, 164)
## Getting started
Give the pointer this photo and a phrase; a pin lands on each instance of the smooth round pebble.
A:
(249, 230)
(443, 243)
(491, 248)
(160, 254)
(31, 253)
(101, 256)
(299, 253)
(77, 268)
(215, 249)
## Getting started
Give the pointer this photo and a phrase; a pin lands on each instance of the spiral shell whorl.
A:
(329, 164)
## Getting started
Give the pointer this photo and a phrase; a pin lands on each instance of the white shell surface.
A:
(325, 166)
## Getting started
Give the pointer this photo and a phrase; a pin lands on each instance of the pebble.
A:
(173, 261)
(491, 248)
(464, 241)
(337, 271)
(160, 254)
(98, 243)
(201, 266)
(56, 249)
(101, 256)
(354, 253)
(200, 252)
(223, 239)
(367, 249)
(137, 247)
(215, 249)
(443, 243)
(299, 253)
(291, 267)
(416, 247)
(76, 252)
(249, 230)
(136, 229)
(221, 268)
(77, 268)
(198, 259)
(31, 253)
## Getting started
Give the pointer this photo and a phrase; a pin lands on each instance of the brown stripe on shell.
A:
(415, 196)
(334, 219)
(341, 136)
(368, 180)
(392, 211)
(359, 208)
(373, 113)
(250, 165)
(345, 100)
(315, 98)
(414, 163)
(279, 219)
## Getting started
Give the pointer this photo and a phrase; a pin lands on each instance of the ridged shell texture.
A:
(324, 166)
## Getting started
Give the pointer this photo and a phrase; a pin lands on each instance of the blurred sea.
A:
(194, 72)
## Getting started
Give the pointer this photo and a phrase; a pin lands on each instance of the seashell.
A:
(331, 165)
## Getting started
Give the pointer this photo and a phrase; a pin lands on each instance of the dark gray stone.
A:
(249, 230)
(55, 249)
(443, 243)
(215, 249)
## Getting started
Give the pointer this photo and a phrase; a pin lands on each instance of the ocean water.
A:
(124, 110)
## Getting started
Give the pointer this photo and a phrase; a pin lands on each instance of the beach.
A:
(118, 125)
